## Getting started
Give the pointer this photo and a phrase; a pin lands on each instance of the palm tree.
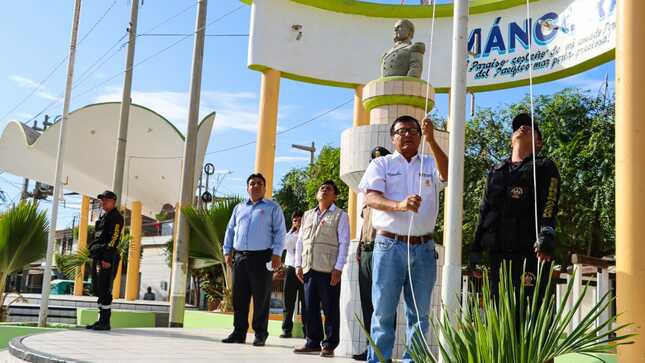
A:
(207, 230)
(71, 263)
(23, 239)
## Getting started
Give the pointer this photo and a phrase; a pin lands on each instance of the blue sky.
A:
(37, 38)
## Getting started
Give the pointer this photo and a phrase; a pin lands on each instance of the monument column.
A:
(267, 125)
(630, 156)
(361, 117)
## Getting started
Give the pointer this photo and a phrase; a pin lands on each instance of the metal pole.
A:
(451, 275)
(44, 300)
(180, 250)
(25, 190)
(126, 100)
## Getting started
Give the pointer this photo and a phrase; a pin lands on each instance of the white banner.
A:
(316, 45)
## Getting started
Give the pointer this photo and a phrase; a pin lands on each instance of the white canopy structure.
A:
(154, 153)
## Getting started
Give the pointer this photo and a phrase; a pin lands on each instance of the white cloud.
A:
(41, 91)
(289, 159)
(234, 110)
(585, 82)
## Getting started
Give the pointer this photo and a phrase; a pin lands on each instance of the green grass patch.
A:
(204, 319)
(579, 358)
(120, 318)
(8, 332)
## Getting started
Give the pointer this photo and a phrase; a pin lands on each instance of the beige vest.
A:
(320, 240)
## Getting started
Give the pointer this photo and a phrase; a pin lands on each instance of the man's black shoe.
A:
(361, 357)
(259, 342)
(234, 338)
(285, 335)
(101, 327)
(91, 326)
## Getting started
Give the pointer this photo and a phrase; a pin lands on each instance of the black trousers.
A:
(318, 291)
(251, 279)
(519, 273)
(365, 288)
(293, 289)
(102, 282)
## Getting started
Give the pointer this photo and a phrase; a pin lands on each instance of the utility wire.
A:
(154, 55)
(57, 66)
(184, 34)
(298, 125)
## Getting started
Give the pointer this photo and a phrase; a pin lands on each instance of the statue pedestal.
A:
(390, 97)
(352, 339)
(385, 99)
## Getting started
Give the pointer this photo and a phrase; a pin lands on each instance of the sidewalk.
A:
(161, 345)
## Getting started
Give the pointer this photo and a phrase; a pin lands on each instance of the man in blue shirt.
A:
(254, 242)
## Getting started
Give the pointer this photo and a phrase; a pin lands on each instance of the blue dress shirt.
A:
(255, 227)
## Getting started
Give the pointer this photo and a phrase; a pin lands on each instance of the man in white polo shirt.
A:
(391, 185)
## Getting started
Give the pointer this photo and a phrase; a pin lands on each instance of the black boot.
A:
(91, 326)
(104, 320)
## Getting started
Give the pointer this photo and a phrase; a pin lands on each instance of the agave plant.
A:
(23, 239)
(514, 328)
(207, 230)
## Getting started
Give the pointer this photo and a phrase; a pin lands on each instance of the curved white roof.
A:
(153, 154)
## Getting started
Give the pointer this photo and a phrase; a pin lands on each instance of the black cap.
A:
(524, 119)
(379, 151)
(106, 194)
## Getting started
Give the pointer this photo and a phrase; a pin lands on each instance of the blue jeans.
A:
(390, 274)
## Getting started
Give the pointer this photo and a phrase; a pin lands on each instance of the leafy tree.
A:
(292, 194)
(578, 134)
(326, 167)
(299, 186)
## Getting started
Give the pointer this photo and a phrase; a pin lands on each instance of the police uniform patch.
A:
(517, 192)
(528, 279)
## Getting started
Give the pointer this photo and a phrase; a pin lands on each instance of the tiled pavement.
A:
(163, 345)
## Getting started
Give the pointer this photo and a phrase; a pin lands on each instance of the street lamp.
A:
(311, 149)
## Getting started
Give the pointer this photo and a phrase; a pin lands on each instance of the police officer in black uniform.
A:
(105, 258)
(506, 229)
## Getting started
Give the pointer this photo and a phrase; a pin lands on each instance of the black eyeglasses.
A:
(404, 130)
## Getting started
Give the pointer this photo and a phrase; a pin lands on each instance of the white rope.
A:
(529, 26)
(423, 144)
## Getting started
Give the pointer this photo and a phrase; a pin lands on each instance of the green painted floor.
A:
(9, 332)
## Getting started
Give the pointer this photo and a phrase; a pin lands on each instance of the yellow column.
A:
(630, 176)
(116, 286)
(134, 253)
(82, 243)
(361, 117)
(267, 124)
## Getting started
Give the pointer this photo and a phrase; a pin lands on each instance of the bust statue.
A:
(404, 58)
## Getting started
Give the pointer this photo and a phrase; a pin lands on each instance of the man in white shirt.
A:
(321, 251)
(292, 289)
(403, 190)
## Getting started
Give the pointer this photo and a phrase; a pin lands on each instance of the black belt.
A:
(414, 240)
(252, 253)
